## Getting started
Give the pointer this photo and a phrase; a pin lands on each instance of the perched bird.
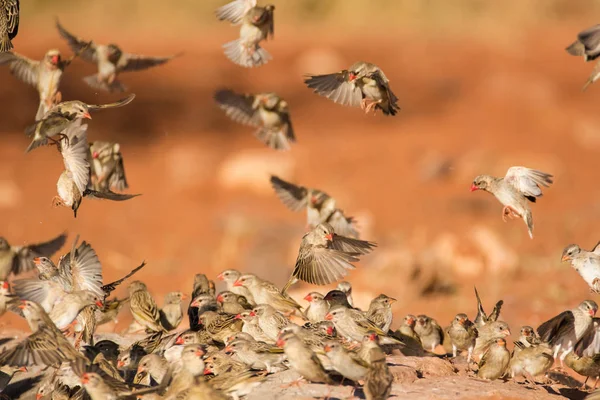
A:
(63, 115)
(531, 361)
(379, 379)
(106, 167)
(325, 257)
(519, 186)
(219, 326)
(363, 84)
(353, 325)
(72, 185)
(269, 320)
(586, 263)
(317, 308)
(527, 338)
(9, 23)
(231, 303)
(302, 359)
(201, 304)
(495, 360)
(44, 75)
(482, 318)
(463, 335)
(407, 328)
(143, 307)
(110, 59)
(171, 313)
(587, 44)
(564, 331)
(337, 298)
(264, 292)
(320, 207)
(266, 111)
(350, 367)
(380, 311)
(19, 259)
(99, 388)
(488, 334)
(201, 286)
(430, 332)
(252, 328)
(588, 366)
(346, 287)
(256, 355)
(230, 276)
(155, 365)
(257, 24)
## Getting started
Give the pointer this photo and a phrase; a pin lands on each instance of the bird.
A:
(482, 318)
(587, 44)
(266, 111)
(407, 328)
(44, 75)
(531, 361)
(354, 325)
(363, 84)
(255, 355)
(63, 115)
(171, 313)
(7, 372)
(379, 379)
(219, 326)
(264, 292)
(230, 276)
(72, 185)
(320, 207)
(429, 331)
(325, 257)
(380, 311)
(269, 320)
(67, 308)
(9, 23)
(257, 24)
(201, 304)
(527, 338)
(346, 287)
(588, 366)
(519, 186)
(143, 307)
(337, 298)
(488, 334)
(110, 59)
(350, 367)
(317, 308)
(564, 331)
(495, 360)
(106, 167)
(463, 335)
(586, 263)
(302, 359)
(7, 299)
(231, 303)
(18, 259)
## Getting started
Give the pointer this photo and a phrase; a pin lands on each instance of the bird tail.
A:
(528, 218)
(292, 280)
(587, 83)
(576, 49)
(5, 44)
(115, 86)
(481, 315)
(243, 54)
(275, 139)
(35, 143)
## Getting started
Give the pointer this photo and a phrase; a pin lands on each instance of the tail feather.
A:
(41, 111)
(35, 143)
(241, 54)
(275, 139)
(528, 218)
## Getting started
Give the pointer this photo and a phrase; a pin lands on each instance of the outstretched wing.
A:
(86, 50)
(120, 103)
(528, 181)
(84, 270)
(235, 11)
(133, 62)
(22, 67)
(108, 195)
(108, 288)
(322, 266)
(238, 107)
(295, 197)
(23, 261)
(350, 245)
(336, 87)
(74, 152)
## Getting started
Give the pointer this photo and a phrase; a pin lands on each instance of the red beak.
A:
(199, 352)
(207, 371)
(85, 378)
(351, 76)
(36, 261)
(239, 316)
(327, 348)
(55, 60)
(22, 305)
(329, 236)
(329, 317)
(372, 337)
(100, 304)
(473, 187)
(220, 298)
(179, 340)
(120, 364)
(87, 115)
(23, 369)
(38, 396)
(308, 297)
(95, 154)
(5, 285)
(592, 312)
(220, 277)
(330, 330)
(237, 283)
(194, 304)
(280, 343)
(228, 349)
(506, 332)
(252, 314)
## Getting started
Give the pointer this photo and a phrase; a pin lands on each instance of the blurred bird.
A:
(264, 292)
(564, 331)
(143, 307)
(519, 186)
(586, 263)
(429, 331)
(269, 320)
(320, 207)
(302, 359)
(106, 167)
(344, 286)
(587, 44)
(155, 365)
(337, 298)
(489, 334)
(531, 361)
(230, 276)
(44, 75)
(325, 257)
(408, 327)
(19, 259)
(379, 379)
(588, 366)
(256, 356)
(67, 308)
(231, 303)
(482, 318)
(380, 312)
(350, 367)
(171, 313)
(363, 84)
(317, 308)
(495, 361)
(110, 59)
(201, 304)
(526, 339)
(7, 299)
(266, 111)
(463, 335)
(353, 325)
(257, 24)
(9, 23)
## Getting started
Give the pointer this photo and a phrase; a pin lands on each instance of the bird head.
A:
(570, 252)
(480, 182)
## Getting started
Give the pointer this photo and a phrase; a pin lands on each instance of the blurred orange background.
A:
(482, 85)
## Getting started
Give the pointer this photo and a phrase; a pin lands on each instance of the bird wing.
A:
(239, 107)
(119, 103)
(379, 77)
(590, 39)
(235, 11)
(84, 270)
(22, 67)
(282, 297)
(596, 249)
(589, 345)
(36, 290)
(85, 50)
(108, 288)
(38, 348)
(495, 314)
(117, 179)
(557, 327)
(481, 318)
(108, 195)
(528, 181)
(322, 266)
(295, 197)
(24, 255)
(341, 224)
(349, 245)
(132, 62)
(335, 87)
(12, 14)
(74, 154)
(145, 304)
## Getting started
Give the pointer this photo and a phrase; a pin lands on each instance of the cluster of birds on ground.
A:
(239, 336)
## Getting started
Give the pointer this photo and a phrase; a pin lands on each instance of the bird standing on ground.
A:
(143, 307)
(495, 361)
(429, 331)
(519, 186)
(463, 335)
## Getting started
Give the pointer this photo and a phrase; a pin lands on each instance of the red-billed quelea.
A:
(264, 292)
(317, 308)
(495, 360)
(302, 359)
(257, 24)
(266, 111)
(353, 325)
(349, 365)
(18, 259)
(325, 257)
(230, 276)
(44, 75)
(463, 334)
(106, 167)
(110, 59)
(9, 23)
(430, 332)
(143, 307)
(380, 312)
(320, 207)
(519, 187)
(363, 84)
(586, 263)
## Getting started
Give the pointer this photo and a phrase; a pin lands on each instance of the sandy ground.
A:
(468, 107)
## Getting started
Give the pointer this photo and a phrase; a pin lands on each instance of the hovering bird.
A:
(257, 24)
(111, 61)
(320, 207)
(19, 259)
(106, 167)
(588, 46)
(325, 257)
(63, 115)
(9, 23)
(363, 84)
(586, 263)
(519, 186)
(266, 111)
(44, 75)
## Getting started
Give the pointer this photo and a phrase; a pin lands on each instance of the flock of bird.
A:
(239, 336)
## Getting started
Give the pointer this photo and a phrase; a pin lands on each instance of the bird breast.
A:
(371, 90)
(49, 80)
(270, 119)
(67, 190)
(251, 34)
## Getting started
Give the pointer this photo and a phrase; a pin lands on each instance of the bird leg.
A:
(510, 212)
(454, 351)
(469, 355)
(583, 386)
(78, 340)
(368, 105)
(57, 201)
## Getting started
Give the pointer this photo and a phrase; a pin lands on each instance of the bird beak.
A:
(329, 317)
(87, 115)
(184, 296)
(228, 350)
(23, 369)
(566, 257)
(207, 371)
(22, 305)
(308, 298)
(194, 304)
(473, 187)
(329, 236)
(85, 378)
(351, 76)
(392, 300)
(120, 364)
(237, 283)
(220, 298)
(327, 348)
(54, 60)
(5, 285)
(100, 304)
(252, 314)
(38, 396)
(95, 154)
(179, 340)
(36, 261)
(506, 332)
(280, 343)
(239, 316)
(220, 277)
(330, 330)
(199, 352)
(592, 312)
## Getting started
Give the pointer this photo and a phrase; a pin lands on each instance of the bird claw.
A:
(57, 201)
(510, 212)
